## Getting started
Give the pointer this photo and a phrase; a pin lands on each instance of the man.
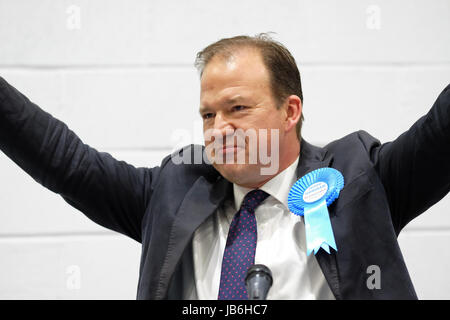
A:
(190, 216)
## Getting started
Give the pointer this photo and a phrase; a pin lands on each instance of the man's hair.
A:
(281, 65)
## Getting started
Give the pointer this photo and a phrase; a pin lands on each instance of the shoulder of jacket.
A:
(355, 139)
(189, 160)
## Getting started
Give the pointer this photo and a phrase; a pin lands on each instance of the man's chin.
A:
(241, 174)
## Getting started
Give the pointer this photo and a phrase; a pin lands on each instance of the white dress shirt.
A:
(281, 245)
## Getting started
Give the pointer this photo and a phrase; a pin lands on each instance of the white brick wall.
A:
(120, 75)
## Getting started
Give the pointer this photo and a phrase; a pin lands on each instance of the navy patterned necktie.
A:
(240, 249)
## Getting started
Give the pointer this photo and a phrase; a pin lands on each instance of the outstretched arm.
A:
(415, 167)
(110, 192)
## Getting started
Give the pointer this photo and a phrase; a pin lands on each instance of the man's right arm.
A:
(110, 192)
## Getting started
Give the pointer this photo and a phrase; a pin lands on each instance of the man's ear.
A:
(293, 112)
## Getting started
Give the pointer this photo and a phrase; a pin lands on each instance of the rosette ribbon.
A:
(310, 197)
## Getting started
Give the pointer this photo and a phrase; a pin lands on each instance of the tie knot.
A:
(254, 198)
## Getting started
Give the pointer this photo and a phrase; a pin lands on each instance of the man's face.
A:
(236, 94)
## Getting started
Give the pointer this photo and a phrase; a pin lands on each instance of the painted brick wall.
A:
(120, 74)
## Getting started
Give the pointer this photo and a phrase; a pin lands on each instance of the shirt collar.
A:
(277, 187)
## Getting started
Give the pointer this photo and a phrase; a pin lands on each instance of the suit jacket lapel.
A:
(199, 203)
(312, 158)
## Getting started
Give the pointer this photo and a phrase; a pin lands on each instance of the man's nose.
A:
(223, 124)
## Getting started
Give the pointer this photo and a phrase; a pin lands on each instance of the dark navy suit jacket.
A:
(386, 186)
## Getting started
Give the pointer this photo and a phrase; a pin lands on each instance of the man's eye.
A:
(238, 108)
(207, 115)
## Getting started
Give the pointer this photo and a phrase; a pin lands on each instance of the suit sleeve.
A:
(415, 167)
(110, 192)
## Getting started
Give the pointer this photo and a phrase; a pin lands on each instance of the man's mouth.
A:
(230, 149)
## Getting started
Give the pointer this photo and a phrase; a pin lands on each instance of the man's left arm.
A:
(415, 167)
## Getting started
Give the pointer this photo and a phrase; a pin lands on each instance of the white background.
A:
(120, 74)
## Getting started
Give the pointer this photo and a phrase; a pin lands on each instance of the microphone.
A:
(258, 282)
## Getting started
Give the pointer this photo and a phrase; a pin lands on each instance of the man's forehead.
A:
(234, 61)
(242, 68)
(229, 56)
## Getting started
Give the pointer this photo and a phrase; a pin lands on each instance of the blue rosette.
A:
(310, 197)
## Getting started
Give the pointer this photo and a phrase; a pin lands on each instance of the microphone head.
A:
(258, 281)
